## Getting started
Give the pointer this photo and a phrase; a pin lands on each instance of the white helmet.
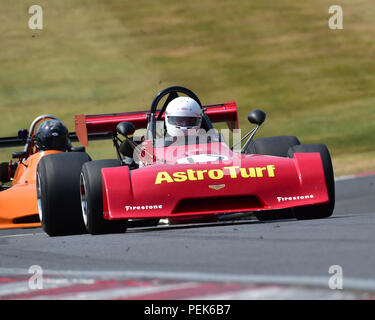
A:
(182, 114)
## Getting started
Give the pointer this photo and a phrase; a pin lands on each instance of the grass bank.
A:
(94, 56)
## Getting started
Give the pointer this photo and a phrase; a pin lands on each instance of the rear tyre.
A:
(58, 198)
(323, 210)
(273, 146)
(92, 199)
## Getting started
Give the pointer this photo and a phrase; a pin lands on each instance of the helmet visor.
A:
(184, 121)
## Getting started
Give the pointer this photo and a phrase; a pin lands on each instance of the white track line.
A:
(20, 287)
(19, 235)
(355, 176)
(280, 294)
(312, 281)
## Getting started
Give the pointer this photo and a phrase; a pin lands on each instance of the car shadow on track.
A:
(161, 228)
(203, 225)
(190, 226)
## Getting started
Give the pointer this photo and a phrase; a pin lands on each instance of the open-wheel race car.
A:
(181, 178)
(18, 197)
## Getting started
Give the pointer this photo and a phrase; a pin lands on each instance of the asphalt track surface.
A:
(291, 255)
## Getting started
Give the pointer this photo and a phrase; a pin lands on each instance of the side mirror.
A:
(125, 128)
(257, 117)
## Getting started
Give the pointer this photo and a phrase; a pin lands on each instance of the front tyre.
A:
(57, 184)
(273, 146)
(91, 192)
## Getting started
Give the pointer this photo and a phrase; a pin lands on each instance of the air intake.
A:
(218, 204)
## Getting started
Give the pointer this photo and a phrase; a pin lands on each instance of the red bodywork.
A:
(167, 188)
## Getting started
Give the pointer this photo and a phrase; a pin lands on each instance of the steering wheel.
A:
(172, 93)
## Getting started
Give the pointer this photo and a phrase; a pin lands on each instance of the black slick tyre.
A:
(58, 197)
(272, 146)
(91, 192)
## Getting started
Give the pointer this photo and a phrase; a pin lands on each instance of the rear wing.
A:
(10, 142)
(105, 124)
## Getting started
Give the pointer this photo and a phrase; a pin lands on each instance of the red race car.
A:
(189, 177)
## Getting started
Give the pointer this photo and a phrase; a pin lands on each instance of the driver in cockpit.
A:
(183, 116)
(50, 135)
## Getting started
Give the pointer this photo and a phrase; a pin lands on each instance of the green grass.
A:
(113, 56)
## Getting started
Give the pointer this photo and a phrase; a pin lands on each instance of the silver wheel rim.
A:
(39, 195)
(83, 199)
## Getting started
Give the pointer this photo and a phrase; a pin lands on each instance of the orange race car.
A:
(18, 197)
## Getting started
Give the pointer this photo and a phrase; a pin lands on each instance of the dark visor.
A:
(183, 121)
